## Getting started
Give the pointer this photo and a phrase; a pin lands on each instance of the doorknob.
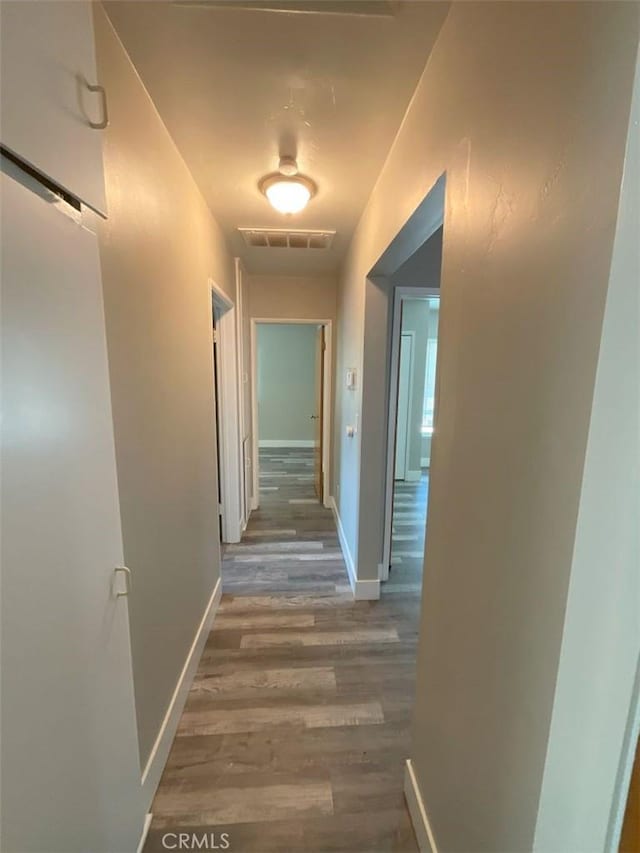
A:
(118, 572)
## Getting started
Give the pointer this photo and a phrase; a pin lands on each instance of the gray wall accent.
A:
(158, 247)
(286, 387)
(422, 269)
(527, 251)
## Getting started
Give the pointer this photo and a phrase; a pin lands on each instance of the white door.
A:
(47, 64)
(70, 768)
(404, 402)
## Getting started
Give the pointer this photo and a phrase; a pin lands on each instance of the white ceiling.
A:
(236, 87)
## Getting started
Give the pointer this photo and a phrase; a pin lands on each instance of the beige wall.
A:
(593, 735)
(292, 297)
(158, 248)
(525, 108)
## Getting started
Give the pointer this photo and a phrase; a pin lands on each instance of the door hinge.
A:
(215, 336)
(219, 509)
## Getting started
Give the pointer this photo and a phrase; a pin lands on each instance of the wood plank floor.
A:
(408, 534)
(296, 729)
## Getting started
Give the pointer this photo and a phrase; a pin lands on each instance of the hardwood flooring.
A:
(296, 729)
(408, 534)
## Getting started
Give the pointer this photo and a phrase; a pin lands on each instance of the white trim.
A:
(367, 590)
(160, 752)
(417, 811)
(363, 590)
(412, 339)
(255, 498)
(268, 442)
(399, 293)
(145, 832)
(344, 545)
(326, 402)
(413, 476)
(229, 417)
(326, 412)
(245, 508)
(391, 436)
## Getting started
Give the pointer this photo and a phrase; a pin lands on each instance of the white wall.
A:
(158, 248)
(286, 388)
(415, 318)
(421, 317)
(434, 319)
(592, 737)
(517, 104)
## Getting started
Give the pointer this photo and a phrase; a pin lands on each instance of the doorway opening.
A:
(412, 395)
(412, 259)
(291, 383)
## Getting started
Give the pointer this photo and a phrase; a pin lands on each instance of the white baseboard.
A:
(425, 461)
(412, 476)
(268, 442)
(160, 752)
(145, 832)
(254, 502)
(344, 545)
(417, 811)
(363, 590)
(367, 590)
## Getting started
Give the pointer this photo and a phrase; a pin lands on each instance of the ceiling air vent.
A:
(275, 238)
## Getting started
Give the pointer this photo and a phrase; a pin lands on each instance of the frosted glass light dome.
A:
(288, 194)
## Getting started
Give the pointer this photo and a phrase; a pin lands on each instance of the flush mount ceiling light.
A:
(286, 190)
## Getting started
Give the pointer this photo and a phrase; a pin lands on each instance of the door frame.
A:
(242, 378)
(229, 415)
(326, 400)
(399, 294)
(412, 339)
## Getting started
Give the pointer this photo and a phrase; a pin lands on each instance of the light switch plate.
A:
(351, 378)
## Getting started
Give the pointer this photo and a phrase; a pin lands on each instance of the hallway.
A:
(296, 728)
(304, 254)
